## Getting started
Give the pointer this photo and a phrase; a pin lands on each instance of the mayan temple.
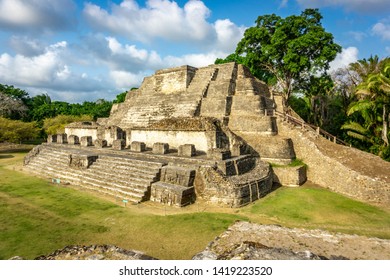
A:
(186, 134)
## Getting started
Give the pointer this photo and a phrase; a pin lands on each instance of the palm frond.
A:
(359, 136)
(357, 127)
(360, 106)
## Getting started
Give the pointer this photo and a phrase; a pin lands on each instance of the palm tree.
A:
(365, 67)
(373, 103)
(377, 88)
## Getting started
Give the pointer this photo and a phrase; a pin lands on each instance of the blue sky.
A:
(86, 50)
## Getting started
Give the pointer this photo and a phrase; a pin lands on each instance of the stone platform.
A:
(136, 177)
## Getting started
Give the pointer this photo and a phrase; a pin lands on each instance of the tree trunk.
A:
(385, 126)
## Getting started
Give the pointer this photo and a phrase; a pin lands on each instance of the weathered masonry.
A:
(180, 137)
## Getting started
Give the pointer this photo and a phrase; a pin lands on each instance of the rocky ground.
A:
(245, 240)
(95, 252)
(248, 241)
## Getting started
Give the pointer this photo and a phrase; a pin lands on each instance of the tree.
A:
(365, 67)
(369, 115)
(57, 124)
(291, 48)
(122, 96)
(16, 131)
(12, 108)
(259, 73)
(377, 89)
(15, 93)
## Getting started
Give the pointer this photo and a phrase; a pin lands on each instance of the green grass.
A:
(37, 217)
(314, 207)
(294, 163)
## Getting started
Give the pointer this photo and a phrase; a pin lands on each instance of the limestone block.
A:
(160, 148)
(219, 154)
(62, 138)
(79, 161)
(86, 141)
(52, 139)
(187, 150)
(290, 176)
(255, 123)
(118, 144)
(228, 167)
(171, 194)
(137, 146)
(238, 150)
(178, 175)
(73, 140)
(100, 143)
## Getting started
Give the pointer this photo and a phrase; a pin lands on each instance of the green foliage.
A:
(57, 124)
(16, 131)
(15, 93)
(290, 48)
(300, 105)
(120, 97)
(259, 73)
(369, 116)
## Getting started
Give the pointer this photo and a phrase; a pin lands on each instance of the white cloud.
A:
(228, 32)
(126, 80)
(196, 60)
(283, 4)
(382, 29)
(344, 58)
(32, 70)
(26, 46)
(48, 72)
(164, 19)
(102, 69)
(36, 15)
(362, 6)
(358, 36)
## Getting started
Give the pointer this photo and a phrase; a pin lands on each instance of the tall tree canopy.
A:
(292, 49)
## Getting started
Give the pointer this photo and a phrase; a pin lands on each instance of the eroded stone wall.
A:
(327, 171)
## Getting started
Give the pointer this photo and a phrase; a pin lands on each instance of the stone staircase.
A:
(113, 175)
(148, 109)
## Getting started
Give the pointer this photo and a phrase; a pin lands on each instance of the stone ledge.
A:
(289, 176)
(171, 194)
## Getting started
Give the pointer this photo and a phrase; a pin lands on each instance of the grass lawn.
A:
(37, 217)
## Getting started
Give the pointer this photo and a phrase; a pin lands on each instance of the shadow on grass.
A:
(6, 156)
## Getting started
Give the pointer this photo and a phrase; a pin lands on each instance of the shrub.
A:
(16, 131)
(57, 124)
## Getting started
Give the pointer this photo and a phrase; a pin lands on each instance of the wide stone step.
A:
(125, 174)
(123, 161)
(128, 167)
(44, 162)
(119, 181)
(115, 187)
(142, 169)
(79, 176)
(82, 179)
